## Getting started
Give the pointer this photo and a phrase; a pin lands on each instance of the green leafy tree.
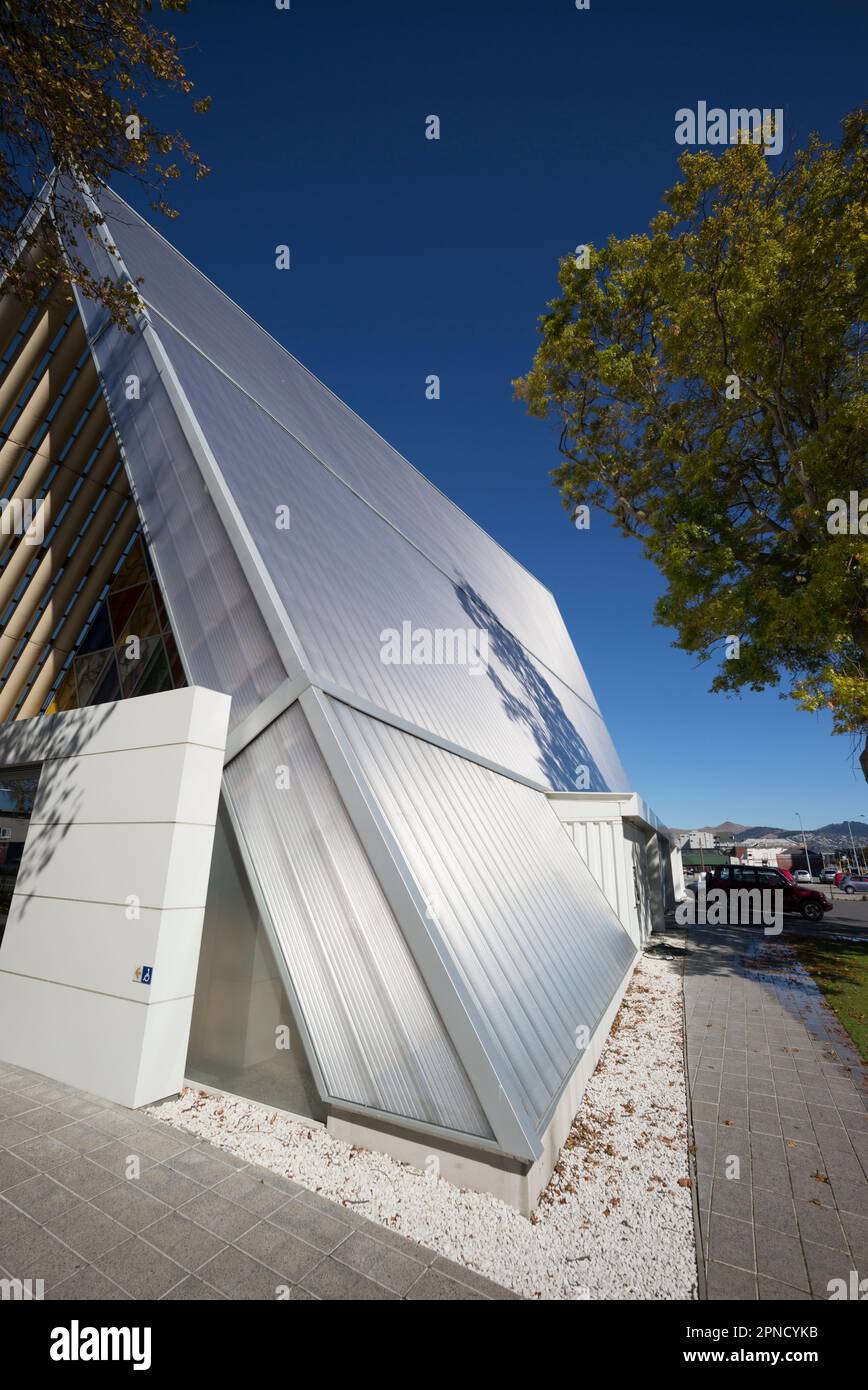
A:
(75, 76)
(708, 383)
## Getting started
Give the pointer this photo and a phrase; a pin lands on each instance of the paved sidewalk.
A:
(776, 1084)
(196, 1224)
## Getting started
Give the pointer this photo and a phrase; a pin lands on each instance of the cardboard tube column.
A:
(69, 633)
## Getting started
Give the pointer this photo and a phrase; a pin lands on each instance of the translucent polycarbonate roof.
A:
(184, 297)
(299, 553)
(377, 1037)
(347, 577)
(526, 924)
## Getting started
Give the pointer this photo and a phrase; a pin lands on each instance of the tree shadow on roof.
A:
(563, 753)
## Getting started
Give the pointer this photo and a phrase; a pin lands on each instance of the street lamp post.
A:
(853, 844)
(805, 843)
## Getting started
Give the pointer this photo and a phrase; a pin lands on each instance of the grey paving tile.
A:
(120, 1159)
(825, 1265)
(202, 1164)
(14, 1132)
(87, 1285)
(127, 1203)
(775, 1210)
(762, 1102)
(279, 1250)
(218, 1215)
(770, 1289)
(704, 1110)
(15, 1225)
(14, 1170)
(820, 1225)
(168, 1186)
(780, 1257)
(851, 1196)
(250, 1192)
(843, 1167)
(825, 1115)
(183, 1241)
(43, 1091)
(192, 1290)
(856, 1231)
(14, 1106)
(42, 1198)
(397, 1241)
(115, 1123)
(41, 1256)
(232, 1160)
(334, 1209)
(764, 1122)
(802, 1156)
(45, 1120)
(239, 1277)
(731, 1242)
(322, 1231)
(478, 1282)
(140, 1269)
(732, 1198)
(725, 1282)
(45, 1152)
(771, 1177)
(79, 1107)
(793, 1109)
(765, 1148)
(162, 1143)
(434, 1284)
(283, 1184)
(812, 1186)
(88, 1231)
(789, 1090)
(735, 1116)
(335, 1281)
(85, 1178)
(377, 1261)
(79, 1136)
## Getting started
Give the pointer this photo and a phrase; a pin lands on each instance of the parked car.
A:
(851, 884)
(802, 876)
(830, 875)
(807, 902)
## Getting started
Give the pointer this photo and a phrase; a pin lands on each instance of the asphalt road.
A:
(848, 918)
(849, 915)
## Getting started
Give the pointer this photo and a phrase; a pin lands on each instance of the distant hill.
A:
(727, 827)
(826, 837)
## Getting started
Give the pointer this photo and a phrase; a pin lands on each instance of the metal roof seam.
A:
(475, 1045)
(272, 610)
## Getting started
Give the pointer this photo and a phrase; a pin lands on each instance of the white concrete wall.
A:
(113, 877)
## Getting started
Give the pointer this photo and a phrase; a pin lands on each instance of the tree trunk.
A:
(863, 758)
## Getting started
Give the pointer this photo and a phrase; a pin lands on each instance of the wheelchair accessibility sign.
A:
(142, 974)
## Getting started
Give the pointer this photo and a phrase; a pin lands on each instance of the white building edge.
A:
(400, 940)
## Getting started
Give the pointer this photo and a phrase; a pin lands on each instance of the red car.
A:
(808, 902)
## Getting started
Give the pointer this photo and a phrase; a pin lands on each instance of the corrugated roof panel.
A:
(346, 577)
(378, 1037)
(537, 944)
(286, 389)
(219, 628)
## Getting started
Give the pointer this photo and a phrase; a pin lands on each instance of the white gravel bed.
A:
(616, 1220)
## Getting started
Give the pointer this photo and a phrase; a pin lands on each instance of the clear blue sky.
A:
(411, 256)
